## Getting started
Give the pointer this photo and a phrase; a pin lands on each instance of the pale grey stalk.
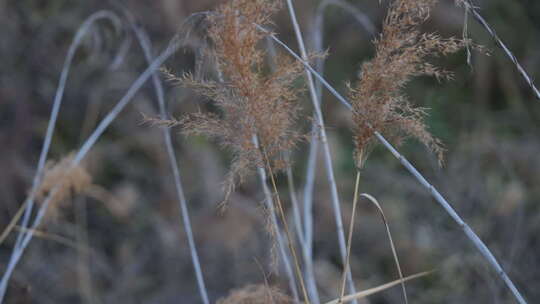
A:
(122, 53)
(294, 201)
(317, 41)
(326, 153)
(309, 276)
(318, 28)
(308, 195)
(83, 151)
(290, 179)
(29, 202)
(182, 203)
(77, 40)
(478, 243)
(469, 6)
(269, 201)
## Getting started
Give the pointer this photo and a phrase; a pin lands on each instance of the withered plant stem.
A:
(13, 222)
(18, 251)
(349, 239)
(326, 147)
(290, 239)
(146, 46)
(470, 7)
(273, 218)
(29, 202)
(471, 235)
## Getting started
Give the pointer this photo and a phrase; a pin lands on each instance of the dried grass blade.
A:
(392, 246)
(13, 222)
(374, 290)
(51, 237)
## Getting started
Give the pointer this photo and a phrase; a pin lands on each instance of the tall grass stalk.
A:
(470, 7)
(145, 43)
(326, 149)
(28, 205)
(77, 40)
(371, 199)
(478, 243)
(346, 265)
(297, 217)
(309, 274)
(81, 154)
(317, 42)
(290, 240)
(269, 202)
(318, 26)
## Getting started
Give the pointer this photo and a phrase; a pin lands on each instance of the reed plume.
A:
(250, 101)
(65, 179)
(378, 100)
(257, 294)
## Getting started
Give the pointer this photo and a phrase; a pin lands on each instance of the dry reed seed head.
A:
(251, 102)
(256, 294)
(69, 180)
(379, 103)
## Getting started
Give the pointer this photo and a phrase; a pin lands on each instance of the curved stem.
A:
(480, 246)
(326, 147)
(77, 41)
(166, 132)
(81, 154)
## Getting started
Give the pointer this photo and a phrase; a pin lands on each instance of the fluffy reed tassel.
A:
(68, 180)
(250, 102)
(256, 294)
(378, 100)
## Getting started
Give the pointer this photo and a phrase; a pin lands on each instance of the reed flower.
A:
(252, 103)
(64, 180)
(378, 100)
(256, 294)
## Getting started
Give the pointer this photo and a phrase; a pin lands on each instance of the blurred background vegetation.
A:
(125, 243)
